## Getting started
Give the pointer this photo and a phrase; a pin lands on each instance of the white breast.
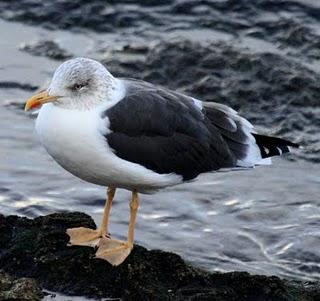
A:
(75, 140)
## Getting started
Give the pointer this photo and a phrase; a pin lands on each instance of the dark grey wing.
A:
(169, 132)
(165, 132)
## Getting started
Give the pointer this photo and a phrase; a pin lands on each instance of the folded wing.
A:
(169, 132)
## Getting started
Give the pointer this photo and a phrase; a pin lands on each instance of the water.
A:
(264, 220)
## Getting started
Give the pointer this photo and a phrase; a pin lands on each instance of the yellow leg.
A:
(116, 251)
(106, 213)
(134, 205)
(82, 236)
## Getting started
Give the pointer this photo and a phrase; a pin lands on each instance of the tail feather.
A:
(273, 146)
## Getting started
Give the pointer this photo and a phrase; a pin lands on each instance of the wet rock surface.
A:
(46, 48)
(22, 289)
(16, 85)
(290, 23)
(38, 248)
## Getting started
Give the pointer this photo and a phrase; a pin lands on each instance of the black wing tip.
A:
(289, 143)
(273, 146)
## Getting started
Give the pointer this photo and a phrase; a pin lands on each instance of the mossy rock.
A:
(38, 249)
(22, 289)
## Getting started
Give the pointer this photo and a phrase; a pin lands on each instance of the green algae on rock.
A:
(38, 248)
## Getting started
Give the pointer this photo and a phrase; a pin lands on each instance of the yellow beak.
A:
(39, 99)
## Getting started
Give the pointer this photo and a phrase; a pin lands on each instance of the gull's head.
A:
(78, 83)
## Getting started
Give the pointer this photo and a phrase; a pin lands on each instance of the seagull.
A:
(131, 134)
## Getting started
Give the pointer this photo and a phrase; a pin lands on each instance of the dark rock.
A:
(48, 49)
(291, 23)
(22, 289)
(15, 85)
(38, 248)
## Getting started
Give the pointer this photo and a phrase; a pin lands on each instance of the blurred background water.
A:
(260, 57)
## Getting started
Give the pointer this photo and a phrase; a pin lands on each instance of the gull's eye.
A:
(78, 87)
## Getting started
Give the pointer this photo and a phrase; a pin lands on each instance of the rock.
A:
(16, 85)
(22, 289)
(38, 248)
(290, 24)
(45, 48)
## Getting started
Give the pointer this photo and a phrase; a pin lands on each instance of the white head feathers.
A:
(82, 83)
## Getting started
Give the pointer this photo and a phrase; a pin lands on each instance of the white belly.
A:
(75, 140)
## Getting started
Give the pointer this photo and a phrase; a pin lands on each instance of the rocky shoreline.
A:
(289, 24)
(261, 58)
(37, 248)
